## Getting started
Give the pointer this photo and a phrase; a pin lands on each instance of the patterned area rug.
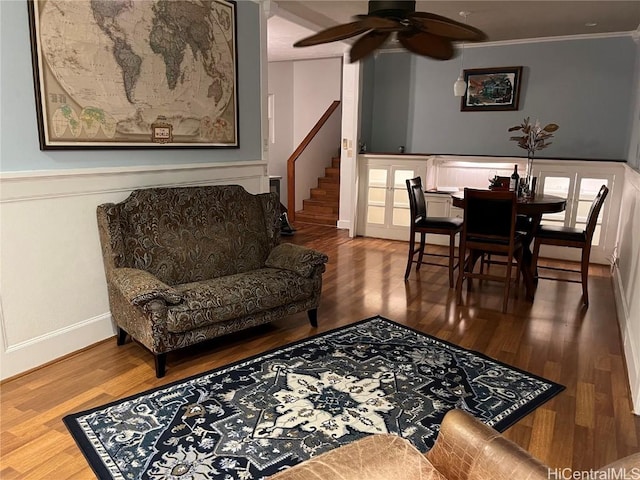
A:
(258, 416)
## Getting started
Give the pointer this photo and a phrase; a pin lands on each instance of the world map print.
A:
(111, 69)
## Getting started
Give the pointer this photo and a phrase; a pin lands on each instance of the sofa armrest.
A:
(296, 258)
(467, 449)
(376, 457)
(629, 465)
(140, 287)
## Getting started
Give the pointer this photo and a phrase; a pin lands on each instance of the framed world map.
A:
(143, 73)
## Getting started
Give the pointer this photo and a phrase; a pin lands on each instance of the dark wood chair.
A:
(524, 225)
(489, 228)
(422, 224)
(572, 237)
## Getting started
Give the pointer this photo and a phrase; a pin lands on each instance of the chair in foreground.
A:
(489, 227)
(572, 237)
(424, 225)
(465, 448)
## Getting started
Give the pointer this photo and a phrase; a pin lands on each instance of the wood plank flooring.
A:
(584, 427)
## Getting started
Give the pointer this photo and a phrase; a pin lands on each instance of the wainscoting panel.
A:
(626, 278)
(53, 292)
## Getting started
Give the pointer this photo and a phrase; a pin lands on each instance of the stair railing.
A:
(291, 162)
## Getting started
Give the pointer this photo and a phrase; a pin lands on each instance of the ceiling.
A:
(291, 20)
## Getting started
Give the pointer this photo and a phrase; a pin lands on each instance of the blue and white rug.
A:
(253, 418)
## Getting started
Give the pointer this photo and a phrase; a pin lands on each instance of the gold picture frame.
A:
(143, 74)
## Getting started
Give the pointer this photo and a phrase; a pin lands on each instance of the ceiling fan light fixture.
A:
(460, 86)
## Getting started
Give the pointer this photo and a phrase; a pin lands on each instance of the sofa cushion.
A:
(188, 234)
(233, 296)
(296, 258)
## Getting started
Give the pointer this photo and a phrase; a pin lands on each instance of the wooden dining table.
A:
(533, 207)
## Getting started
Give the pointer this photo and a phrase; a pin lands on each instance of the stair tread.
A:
(322, 201)
(318, 218)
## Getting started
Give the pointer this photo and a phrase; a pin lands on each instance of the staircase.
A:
(322, 207)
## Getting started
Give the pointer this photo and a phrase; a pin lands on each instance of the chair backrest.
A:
(417, 203)
(594, 211)
(489, 214)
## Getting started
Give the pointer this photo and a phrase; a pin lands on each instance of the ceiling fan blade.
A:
(445, 27)
(367, 44)
(333, 34)
(380, 23)
(426, 44)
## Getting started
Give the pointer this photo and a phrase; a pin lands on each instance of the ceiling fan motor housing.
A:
(382, 8)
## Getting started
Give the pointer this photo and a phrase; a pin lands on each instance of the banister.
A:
(291, 162)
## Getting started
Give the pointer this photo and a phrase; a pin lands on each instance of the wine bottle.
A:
(515, 179)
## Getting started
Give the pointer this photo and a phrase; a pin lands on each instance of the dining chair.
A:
(423, 225)
(572, 237)
(489, 227)
(524, 225)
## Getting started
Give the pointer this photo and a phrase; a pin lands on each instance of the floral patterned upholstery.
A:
(187, 264)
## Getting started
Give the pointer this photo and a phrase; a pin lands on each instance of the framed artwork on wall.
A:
(490, 89)
(143, 74)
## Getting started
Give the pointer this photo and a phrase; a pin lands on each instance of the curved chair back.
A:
(489, 227)
(594, 211)
(417, 204)
(489, 215)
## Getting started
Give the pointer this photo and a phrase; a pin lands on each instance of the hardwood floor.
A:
(584, 427)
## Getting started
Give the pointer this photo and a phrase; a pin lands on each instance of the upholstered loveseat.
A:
(188, 264)
(465, 449)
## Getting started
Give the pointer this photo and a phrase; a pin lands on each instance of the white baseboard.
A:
(344, 224)
(630, 345)
(37, 351)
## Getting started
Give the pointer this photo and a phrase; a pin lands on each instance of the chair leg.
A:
(412, 246)
(452, 252)
(462, 266)
(534, 257)
(423, 237)
(584, 269)
(507, 286)
(161, 363)
(313, 317)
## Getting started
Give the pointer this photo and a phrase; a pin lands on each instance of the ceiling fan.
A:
(423, 33)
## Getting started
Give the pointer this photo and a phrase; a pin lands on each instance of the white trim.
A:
(40, 185)
(61, 331)
(563, 38)
(522, 41)
(122, 170)
(631, 355)
(625, 288)
(344, 224)
(45, 348)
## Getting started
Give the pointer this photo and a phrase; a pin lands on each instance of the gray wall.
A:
(19, 148)
(583, 85)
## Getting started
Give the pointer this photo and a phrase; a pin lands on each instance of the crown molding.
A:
(564, 38)
(635, 34)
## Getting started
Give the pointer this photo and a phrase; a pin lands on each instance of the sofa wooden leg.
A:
(122, 337)
(161, 362)
(313, 317)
